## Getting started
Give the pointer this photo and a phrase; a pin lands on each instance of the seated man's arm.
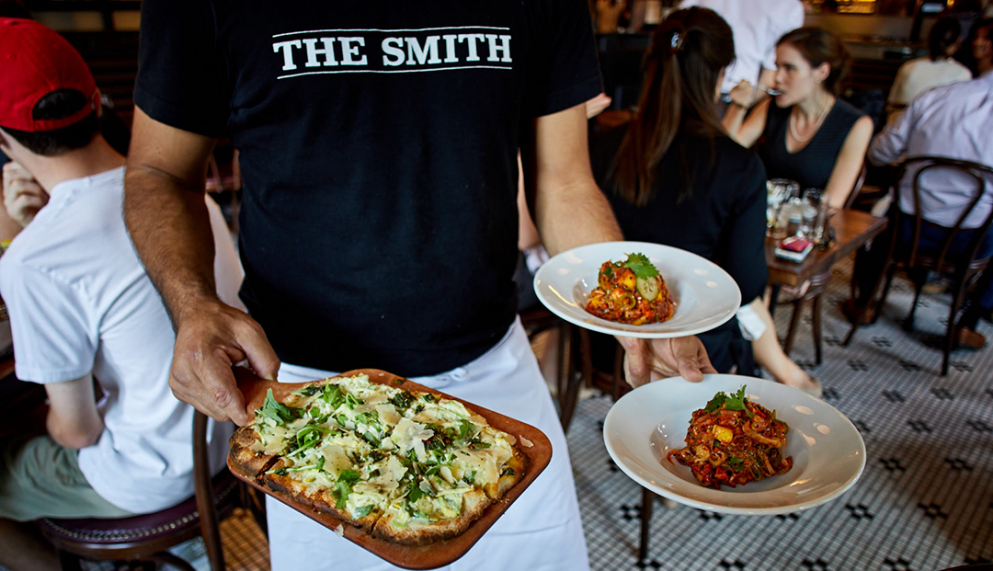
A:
(73, 420)
(571, 211)
(891, 144)
(169, 224)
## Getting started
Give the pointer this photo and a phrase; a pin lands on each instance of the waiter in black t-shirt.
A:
(378, 229)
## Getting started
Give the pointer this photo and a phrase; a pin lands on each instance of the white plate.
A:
(706, 296)
(828, 452)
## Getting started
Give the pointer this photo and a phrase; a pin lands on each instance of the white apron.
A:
(541, 530)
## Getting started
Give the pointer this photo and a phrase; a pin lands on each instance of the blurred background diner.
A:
(725, 127)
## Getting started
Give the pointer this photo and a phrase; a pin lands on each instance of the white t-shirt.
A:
(80, 302)
(757, 26)
(918, 75)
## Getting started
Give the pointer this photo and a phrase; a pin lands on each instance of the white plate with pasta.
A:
(646, 428)
(704, 295)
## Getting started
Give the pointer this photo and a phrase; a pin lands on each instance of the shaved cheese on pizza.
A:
(411, 467)
(409, 435)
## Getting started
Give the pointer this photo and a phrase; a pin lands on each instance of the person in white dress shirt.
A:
(953, 121)
(939, 68)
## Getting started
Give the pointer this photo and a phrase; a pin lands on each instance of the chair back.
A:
(979, 174)
(854, 194)
(148, 537)
(210, 526)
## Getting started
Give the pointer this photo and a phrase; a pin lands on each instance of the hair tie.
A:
(676, 42)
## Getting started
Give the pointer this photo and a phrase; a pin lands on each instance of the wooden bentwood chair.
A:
(963, 266)
(147, 538)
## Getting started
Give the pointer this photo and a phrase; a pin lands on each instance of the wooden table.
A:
(853, 229)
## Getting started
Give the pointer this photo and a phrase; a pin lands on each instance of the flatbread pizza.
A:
(406, 466)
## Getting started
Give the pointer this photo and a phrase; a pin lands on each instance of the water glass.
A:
(813, 203)
(779, 191)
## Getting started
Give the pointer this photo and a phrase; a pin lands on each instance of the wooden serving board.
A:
(431, 556)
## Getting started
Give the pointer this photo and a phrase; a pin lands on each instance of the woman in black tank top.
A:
(806, 133)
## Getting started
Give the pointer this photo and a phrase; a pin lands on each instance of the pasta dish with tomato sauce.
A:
(734, 441)
(631, 292)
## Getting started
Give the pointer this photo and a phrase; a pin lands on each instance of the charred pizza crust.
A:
(513, 472)
(244, 455)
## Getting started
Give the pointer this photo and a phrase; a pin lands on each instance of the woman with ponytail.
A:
(674, 177)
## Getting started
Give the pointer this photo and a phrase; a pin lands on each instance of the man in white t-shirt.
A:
(757, 26)
(84, 314)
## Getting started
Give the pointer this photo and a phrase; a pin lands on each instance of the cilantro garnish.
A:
(361, 512)
(508, 472)
(641, 266)
(735, 401)
(735, 463)
(276, 411)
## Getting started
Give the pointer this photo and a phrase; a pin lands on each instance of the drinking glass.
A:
(780, 191)
(807, 208)
(813, 203)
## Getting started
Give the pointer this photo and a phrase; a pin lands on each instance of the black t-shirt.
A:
(812, 165)
(722, 220)
(378, 150)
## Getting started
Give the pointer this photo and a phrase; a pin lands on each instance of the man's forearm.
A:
(575, 216)
(170, 227)
(569, 209)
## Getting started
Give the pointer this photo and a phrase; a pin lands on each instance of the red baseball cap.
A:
(35, 61)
